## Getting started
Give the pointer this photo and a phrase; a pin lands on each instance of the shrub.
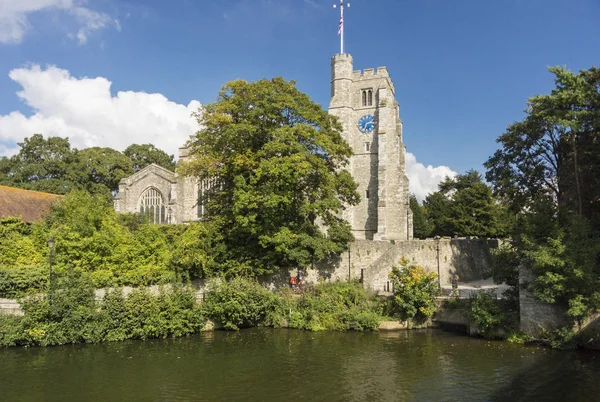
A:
(336, 306)
(486, 312)
(414, 292)
(17, 281)
(240, 303)
(70, 314)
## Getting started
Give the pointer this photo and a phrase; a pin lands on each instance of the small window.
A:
(370, 98)
(367, 194)
(364, 98)
(367, 146)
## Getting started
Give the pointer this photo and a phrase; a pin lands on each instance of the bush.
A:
(486, 312)
(70, 314)
(240, 303)
(336, 306)
(414, 292)
(17, 281)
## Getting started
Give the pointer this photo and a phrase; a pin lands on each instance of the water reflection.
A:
(266, 364)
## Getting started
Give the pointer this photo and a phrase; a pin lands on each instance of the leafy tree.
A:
(41, 165)
(415, 291)
(547, 172)
(278, 160)
(465, 206)
(142, 155)
(422, 227)
(102, 168)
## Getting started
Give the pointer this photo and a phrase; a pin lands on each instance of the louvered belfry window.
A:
(152, 205)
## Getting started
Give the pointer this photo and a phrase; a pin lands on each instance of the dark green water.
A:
(281, 365)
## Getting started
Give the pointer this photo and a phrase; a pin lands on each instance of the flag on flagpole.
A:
(341, 26)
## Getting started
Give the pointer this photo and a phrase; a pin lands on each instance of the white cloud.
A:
(84, 110)
(14, 18)
(423, 179)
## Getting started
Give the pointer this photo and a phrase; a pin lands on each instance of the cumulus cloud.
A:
(84, 110)
(14, 20)
(423, 179)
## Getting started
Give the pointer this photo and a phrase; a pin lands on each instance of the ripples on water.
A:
(282, 365)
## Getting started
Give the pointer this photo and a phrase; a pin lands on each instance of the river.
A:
(284, 365)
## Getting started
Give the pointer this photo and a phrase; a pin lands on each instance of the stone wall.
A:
(535, 315)
(372, 260)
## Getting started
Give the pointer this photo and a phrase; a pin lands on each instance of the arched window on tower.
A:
(152, 205)
(370, 98)
(364, 98)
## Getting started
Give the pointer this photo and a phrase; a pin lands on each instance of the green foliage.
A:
(548, 173)
(486, 312)
(17, 281)
(465, 206)
(100, 169)
(422, 226)
(338, 306)
(116, 250)
(52, 166)
(414, 292)
(278, 160)
(147, 154)
(518, 338)
(239, 303)
(70, 314)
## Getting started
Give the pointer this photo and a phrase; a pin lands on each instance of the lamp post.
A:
(437, 249)
(51, 248)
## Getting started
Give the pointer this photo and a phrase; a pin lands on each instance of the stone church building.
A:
(369, 113)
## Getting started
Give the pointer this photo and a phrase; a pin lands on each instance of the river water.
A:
(284, 365)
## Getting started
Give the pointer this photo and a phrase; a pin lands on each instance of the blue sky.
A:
(463, 69)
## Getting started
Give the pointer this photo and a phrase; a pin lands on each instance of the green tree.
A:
(278, 159)
(142, 155)
(100, 169)
(547, 172)
(422, 227)
(465, 206)
(41, 165)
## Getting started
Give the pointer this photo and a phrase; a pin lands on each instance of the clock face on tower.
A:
(366, 124)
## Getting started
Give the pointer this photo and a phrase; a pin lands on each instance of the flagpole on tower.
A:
(341, 26)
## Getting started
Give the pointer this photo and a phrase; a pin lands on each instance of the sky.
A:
(116, 72)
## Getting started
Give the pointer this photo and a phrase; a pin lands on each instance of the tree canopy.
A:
(463, 206)
(142, 155)
(548, 172)
(51, 165)
(278, 160)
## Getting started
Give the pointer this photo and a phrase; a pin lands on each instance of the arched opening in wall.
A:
(370, 98)
(152, 205)
(205, 187)
(364, 98)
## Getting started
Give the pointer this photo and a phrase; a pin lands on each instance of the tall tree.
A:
(548, 171)
(422, 226)
(101, 169)
(465, 206)
(278, 159)
(142, 155)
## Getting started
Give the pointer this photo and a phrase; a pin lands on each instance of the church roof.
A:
(30, 206)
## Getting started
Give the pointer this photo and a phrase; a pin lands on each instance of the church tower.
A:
(366, 106)
(365, 103)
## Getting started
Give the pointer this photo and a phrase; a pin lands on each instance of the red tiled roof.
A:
(31, 206)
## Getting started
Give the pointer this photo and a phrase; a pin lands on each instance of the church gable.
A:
(150, 188)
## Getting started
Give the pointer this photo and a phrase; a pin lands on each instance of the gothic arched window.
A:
(152, 205)
(370, 100)
(364, 98)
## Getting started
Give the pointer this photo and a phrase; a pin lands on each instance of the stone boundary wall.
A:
(372, 260)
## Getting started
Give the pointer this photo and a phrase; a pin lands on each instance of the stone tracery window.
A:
(152, 205)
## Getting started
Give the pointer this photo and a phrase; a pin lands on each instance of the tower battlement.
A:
(380, 72)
